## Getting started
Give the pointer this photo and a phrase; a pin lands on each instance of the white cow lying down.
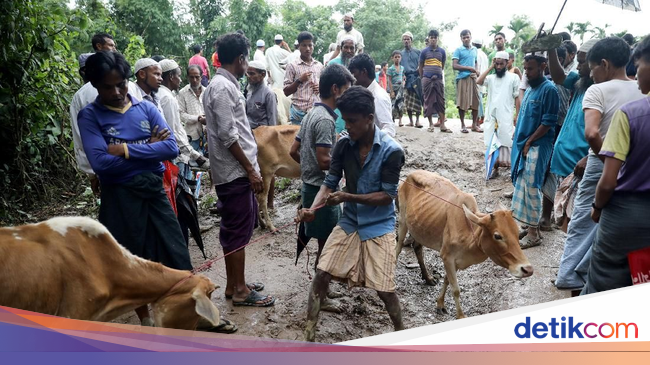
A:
(73, 267)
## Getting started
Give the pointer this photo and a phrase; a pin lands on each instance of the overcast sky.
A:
(479, 15)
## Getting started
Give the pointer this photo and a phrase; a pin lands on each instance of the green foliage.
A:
(37, 80)
(496, 28)
(135, 50)
(282, 183)
(523, 28)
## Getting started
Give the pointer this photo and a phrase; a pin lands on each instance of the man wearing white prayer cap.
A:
(274, 57)
(503, 91)
(259, 52)
(348, 30)
(148, 76)
(261, 105)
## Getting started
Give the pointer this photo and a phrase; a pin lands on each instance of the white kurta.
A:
(274, 56)
(500, 107)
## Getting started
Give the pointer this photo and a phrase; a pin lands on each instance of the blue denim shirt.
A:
(380, 172)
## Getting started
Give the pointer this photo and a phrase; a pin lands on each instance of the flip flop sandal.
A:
(419, 126)
(431, 129)
(446, 130)
(464, 130)
(251, 286)
(224, 326)
(527, 242)
(253, 300)
(477, 130)
(400, 125)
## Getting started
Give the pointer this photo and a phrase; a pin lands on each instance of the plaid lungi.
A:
(369, 263)
(412, 102)
(527, 199)
(467, 94)
(398, 101)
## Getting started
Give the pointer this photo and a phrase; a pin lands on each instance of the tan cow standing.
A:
(444, 226)
(72, 267)
(273, 146)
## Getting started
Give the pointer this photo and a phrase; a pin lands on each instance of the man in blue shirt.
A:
(361, 248)
(413, 85)
(532, 146)
(467, 97)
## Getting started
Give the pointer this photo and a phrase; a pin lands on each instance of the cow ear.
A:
(205, 308)
(470, 215)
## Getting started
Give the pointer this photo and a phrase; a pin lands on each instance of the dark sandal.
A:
(419, 126)
(224, 326)
(464, 130)
(253, 300)
(446, 130)
(251, 286)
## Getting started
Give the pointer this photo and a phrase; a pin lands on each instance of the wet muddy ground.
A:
(485, 288)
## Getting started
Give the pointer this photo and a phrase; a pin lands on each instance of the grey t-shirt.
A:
(318, 129)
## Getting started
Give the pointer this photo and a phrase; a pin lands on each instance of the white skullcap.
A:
(588, 45)
(260, 43)
(168, 65)
(348, 37)
(278, 37)
(408, 34)
(259, 65)
(502, 55)
(144, 63)
(478, 41)
(350, 15)
(295, 43)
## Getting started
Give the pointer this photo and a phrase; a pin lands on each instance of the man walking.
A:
(413, 85)
(301, 79)
(467, 97)
(361, 248)
(503, 90)
(235, 172)
(533, 146)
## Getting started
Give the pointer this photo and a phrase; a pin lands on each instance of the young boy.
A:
(301, 79)
(395, 74)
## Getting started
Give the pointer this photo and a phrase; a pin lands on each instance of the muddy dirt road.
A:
(485, 288)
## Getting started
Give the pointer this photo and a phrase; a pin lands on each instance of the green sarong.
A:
(326, 217)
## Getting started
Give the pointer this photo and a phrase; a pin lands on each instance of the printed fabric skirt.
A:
(467, 94)
(434, 96)
(527, 199)
(238, 209)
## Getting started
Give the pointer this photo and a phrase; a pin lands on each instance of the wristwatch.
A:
(593, 205)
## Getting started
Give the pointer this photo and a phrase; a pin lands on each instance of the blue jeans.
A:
(582, 230)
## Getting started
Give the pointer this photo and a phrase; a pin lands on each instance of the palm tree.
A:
(519, 24)
(582, 29)
(571, 28)
(496, 28)
(599, 32)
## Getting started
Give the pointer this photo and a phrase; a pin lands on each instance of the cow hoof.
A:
(441, 310)
(431, 281)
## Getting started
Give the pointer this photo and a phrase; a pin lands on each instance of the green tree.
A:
(522, 26)
(38, 75)
(599, 32)
(581, 29)
(496, 28)
(155, 22)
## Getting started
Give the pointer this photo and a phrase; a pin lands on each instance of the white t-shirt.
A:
(607, 98)
(358, 38)
(383, 108)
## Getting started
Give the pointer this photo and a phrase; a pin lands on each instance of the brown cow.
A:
(72, 267)
(273, 146)
(444, 226)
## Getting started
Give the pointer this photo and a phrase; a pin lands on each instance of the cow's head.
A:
(499, 240)
(187, 305)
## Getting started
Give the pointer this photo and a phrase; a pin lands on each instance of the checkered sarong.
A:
(412, 102)
(527, 199)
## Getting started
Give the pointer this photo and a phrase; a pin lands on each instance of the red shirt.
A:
(199, 60)
(215, 60)
(381, 80)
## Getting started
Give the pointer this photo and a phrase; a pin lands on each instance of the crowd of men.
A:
(550, 125)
